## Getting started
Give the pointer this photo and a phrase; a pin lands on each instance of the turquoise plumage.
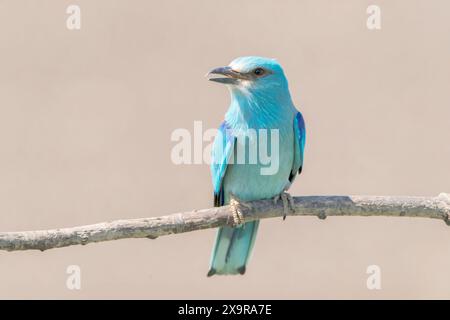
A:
(261, 109)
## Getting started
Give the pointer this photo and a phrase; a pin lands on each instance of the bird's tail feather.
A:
(232, 249)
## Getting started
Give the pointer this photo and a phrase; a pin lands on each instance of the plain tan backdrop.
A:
(86, 118)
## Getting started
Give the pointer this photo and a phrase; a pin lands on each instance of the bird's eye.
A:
(258, 72)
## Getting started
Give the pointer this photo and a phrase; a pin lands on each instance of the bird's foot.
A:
(288, 203)
(236, 206)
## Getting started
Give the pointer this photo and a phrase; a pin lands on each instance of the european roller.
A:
(261, 107)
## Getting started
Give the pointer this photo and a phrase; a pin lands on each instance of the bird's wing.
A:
(222, 151)
(299, 146)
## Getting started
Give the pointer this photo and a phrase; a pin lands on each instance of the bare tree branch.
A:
(320, 206)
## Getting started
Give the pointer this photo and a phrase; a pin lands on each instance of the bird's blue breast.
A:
(269, 175)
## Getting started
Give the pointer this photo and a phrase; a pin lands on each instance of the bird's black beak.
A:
(229, 76)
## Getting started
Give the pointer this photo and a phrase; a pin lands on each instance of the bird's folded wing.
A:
(299, 145)
(222, 152)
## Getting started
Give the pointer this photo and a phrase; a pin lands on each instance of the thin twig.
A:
(320, 206)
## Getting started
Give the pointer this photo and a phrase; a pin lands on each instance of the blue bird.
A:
(260, 105)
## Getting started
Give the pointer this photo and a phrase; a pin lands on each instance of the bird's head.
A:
(251, 75)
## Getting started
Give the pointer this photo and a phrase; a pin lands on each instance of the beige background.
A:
(86, 118)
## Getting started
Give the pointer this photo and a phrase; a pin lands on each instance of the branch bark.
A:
(320, 206)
